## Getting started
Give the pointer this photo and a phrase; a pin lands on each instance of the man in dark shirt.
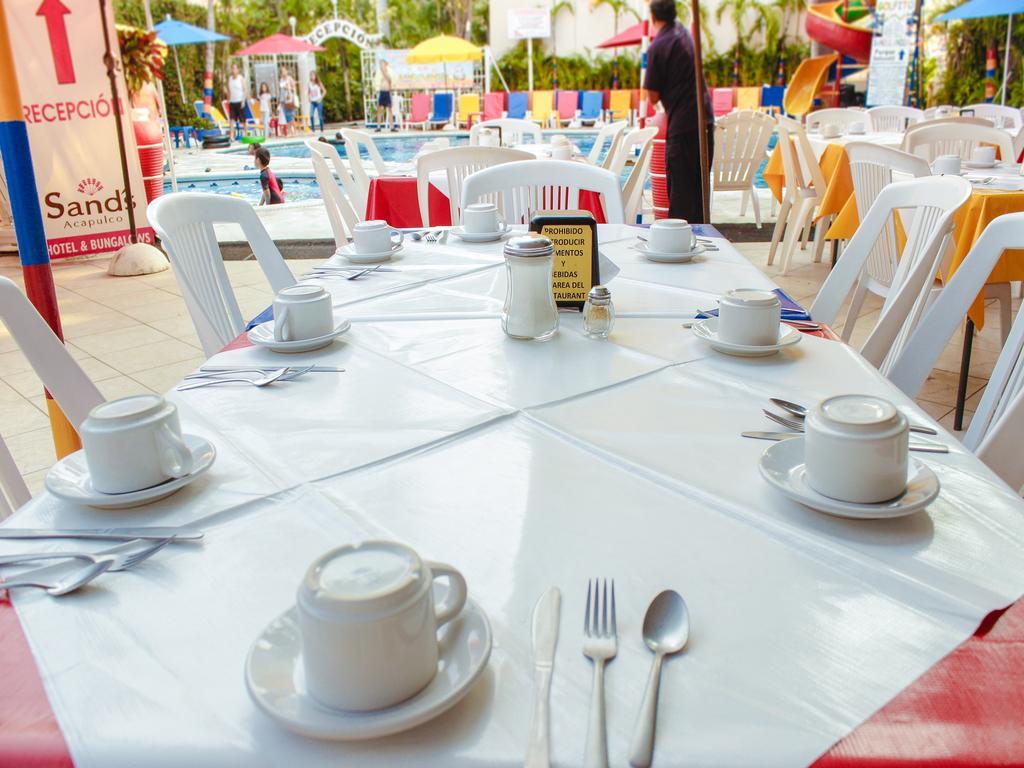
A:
(670, 80)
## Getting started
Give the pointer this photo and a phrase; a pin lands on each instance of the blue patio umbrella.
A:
(980, 9)
(174, 33)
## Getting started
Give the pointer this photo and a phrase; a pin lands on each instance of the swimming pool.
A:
(296, 188)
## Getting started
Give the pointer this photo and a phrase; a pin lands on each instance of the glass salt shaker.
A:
(598, 313)
(530, 311)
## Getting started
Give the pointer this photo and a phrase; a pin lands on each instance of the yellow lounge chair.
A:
(748, 98)
(543, 108)
(620, 104)
(469, 109)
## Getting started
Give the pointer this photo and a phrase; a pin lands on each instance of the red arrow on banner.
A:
(54, 12)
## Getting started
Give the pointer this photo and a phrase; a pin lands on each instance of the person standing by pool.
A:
(272, 192)
(236, 100)
(670, 80)
(317, 91)
(287, 96)
(384, 94)
(265, 107)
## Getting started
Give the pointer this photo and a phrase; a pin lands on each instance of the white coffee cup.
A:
(984, 155)
(374, 236)
(488, 137)
(831, 131)
(946, 164)
(559, 139)
(302, 312)
(855, 449)
(482, 219)
(561, 152)
(749, 316)
(134, 443)
(671, 236)
(858, 127)
(369, 624)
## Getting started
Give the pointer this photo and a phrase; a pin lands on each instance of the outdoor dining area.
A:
(519, 466)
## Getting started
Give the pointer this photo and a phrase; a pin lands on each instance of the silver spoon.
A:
(74, 579)
(262, 381)
(800, 411)
(666, 629)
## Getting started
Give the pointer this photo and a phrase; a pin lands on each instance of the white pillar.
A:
(529, 62)
(1006, 60)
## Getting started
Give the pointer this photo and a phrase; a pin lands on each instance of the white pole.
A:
(529, 62)
(1006, 60)
(487, 69)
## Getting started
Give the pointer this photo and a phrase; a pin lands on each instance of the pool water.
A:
(296, 188)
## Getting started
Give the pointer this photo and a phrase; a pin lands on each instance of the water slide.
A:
(843, 26)
(805, 83)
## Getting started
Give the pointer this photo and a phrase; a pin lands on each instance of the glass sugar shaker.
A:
(598, 313)
(530, 311)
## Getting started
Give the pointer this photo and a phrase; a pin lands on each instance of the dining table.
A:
(814, 639)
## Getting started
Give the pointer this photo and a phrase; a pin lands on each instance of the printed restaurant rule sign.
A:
(58, 52)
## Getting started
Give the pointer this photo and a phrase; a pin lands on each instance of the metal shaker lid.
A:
(530, 244)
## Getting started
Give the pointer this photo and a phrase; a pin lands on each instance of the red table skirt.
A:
(393, 199)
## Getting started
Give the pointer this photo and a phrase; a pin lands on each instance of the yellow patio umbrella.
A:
(444, 48)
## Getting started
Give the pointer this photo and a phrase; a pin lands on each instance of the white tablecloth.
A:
(528, 465)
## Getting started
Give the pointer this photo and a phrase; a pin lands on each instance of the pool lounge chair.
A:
(245, 126)
(441, 114)
(518, 105)
(590, 107)
(469, 109)
(771, 98)
(567, 104)
(748, 98)
(543, 109)
(619, 104)
(419, 114)
(722, 101)
(210, 114)
(494, 105)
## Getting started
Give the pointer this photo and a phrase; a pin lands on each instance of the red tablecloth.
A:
(393, 199)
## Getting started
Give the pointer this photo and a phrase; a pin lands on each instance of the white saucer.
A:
(707, 329)
(276, 681)
(782, 465)
(976, 164)
(69, 479)
(668, 258)
(349, 252)
(480, 237)
(263, 336)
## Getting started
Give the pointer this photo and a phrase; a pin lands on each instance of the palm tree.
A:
(618, 7)
(737, 11)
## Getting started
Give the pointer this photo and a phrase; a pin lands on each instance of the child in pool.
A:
(272, 192)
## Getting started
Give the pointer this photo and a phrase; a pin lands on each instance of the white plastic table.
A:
(528, 465)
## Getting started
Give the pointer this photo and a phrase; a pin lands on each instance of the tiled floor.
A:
(134, 335)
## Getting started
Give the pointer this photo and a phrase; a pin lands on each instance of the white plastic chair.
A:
(941, 110)
(609, 133)
(804, 187)
(741, 139)
(996, 427)
(871, 168)
(340, 213)
(894, 119)
(955, 138)
(1000, 115)
(513, 131)
(356, 140)
(630, 145)
(527, 186)
(60, 373)
(930, 205)
(838, 116)
(457, 163)
(184, 223)
(633, 189)
(335, 166)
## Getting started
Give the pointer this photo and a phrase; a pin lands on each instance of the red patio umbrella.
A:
(627, 37)
(279, 43)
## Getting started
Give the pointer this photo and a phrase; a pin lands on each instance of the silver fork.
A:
(263, 381)
(121, 561)
(600, 644)
(924, 446)
(293, 373)
(68, 582)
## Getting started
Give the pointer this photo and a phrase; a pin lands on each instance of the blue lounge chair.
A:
(590, 107)
(771, 98)
(518, 104)
(442, 111)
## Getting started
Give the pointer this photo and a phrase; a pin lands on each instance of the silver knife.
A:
(914, 445)
(230, 368)
(182, 533)
(545, 638)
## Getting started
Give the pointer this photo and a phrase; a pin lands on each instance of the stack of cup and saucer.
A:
(561, 148)
(857, 128)
(360, 655)
(373, 242)
(748, 324)
(852, 462)
(481, 223)
(303, 321)
(982, 158)
(133, 453)
(946, 165)
(670, 241)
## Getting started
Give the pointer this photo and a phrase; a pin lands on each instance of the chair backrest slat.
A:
(458, 164)
(741, 139)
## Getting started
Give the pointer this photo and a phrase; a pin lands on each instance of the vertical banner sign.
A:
(66, 101)
(892, 52)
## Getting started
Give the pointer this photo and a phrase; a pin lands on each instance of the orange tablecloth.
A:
(834, 167)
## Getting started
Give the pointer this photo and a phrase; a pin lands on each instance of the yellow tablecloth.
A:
(971, 220)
